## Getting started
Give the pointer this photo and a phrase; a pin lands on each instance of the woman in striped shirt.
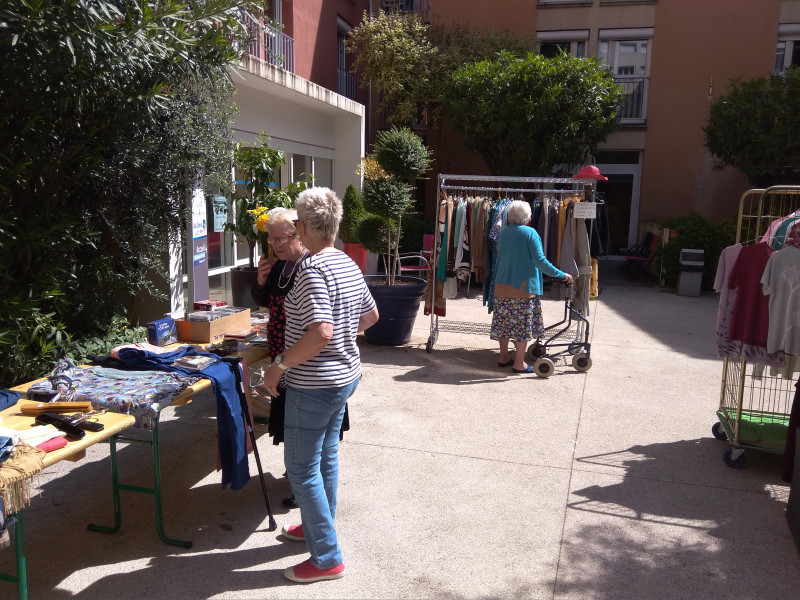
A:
(326, 309)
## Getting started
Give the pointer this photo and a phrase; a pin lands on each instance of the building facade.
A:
(671, 58)
(293, 86)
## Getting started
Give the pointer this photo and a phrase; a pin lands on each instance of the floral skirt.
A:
(518, 319)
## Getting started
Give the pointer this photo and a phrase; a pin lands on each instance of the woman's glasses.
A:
(280, 241)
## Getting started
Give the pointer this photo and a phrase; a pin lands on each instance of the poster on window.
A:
(199, 226)
(220, 207)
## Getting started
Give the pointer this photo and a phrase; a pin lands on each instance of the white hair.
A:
(321, 210)
(281, 215)
(519, 212)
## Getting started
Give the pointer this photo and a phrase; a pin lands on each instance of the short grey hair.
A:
(519, 212)
(321, 210)
(281, 215)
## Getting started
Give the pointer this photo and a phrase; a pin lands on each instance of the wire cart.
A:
(754, 403)
(568, 337)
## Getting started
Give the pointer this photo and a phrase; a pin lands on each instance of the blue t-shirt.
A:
(521, 260)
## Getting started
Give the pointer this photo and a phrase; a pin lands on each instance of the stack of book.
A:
(241, 335)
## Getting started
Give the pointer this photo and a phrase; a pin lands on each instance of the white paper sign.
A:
(584, 210)
(199, 226)
(220, 207)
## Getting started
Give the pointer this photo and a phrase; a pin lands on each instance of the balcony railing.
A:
(410, 6)
(273, 46)
(347, 84)
(634, 101)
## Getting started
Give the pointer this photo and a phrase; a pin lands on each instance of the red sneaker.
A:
(305, 572)
(293, 532)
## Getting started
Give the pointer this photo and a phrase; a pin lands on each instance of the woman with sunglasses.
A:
(275, 278)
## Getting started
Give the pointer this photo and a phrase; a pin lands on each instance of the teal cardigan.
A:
(520, 258)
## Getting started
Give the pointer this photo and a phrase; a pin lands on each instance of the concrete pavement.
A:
(460, 479)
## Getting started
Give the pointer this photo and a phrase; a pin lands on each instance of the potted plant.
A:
(256, 165)
(399, 157)
(353, 213)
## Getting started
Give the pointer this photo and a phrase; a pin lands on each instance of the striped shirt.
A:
(328, 288)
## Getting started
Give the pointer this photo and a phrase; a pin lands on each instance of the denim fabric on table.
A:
(311, 453)
(230, 422)
(8, 398)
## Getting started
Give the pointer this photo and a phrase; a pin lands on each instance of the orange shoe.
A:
(305, 572)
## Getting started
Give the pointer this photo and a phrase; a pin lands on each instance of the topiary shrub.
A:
(694, 231)
(353, 212)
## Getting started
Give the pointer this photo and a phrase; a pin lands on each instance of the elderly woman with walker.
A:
(517, 312)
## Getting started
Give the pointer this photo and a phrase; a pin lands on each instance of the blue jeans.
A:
(311, 454)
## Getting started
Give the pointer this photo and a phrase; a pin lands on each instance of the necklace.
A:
(291, 274)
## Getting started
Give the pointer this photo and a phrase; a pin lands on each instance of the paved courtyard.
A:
(460, 479)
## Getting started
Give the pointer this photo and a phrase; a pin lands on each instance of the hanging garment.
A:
(750, 319)
(727, 299)
(551, 252)
(566, 261)
(601, 236)
(791, 440)
(583, 260)
(781, 282)
(594, 286)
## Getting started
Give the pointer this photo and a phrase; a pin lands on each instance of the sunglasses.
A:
(280, 241)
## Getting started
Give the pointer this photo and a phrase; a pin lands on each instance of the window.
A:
(571, 42)
(625, 54)
(346, 82)
(628, 57)
(787, 52)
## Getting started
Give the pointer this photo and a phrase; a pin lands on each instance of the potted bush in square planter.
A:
(399, 156)
(352, 214)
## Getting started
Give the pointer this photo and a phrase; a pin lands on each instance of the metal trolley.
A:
(568, 337)
(755, 404)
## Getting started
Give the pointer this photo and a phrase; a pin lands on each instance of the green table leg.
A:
(21, 578)
(155, 490)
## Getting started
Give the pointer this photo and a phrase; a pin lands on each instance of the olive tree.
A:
(526, 115)
(753, 128)
(411, 62)
(108, 112)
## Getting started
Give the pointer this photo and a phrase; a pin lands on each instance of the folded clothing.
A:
(55, 443)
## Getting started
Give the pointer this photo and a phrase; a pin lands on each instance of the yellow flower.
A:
(261, 221)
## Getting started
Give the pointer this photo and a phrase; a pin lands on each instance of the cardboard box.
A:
(162, 332)
(212, 331)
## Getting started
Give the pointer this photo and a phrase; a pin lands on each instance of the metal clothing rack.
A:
(754, 404)
(501, 185)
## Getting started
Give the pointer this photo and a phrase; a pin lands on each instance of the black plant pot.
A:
(397, 305)
(242, 279)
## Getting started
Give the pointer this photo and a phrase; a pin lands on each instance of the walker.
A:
(570, 336)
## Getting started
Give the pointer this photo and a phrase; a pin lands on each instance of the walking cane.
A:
(236, 360)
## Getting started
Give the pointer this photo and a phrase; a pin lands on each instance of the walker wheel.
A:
(718, 431)
(535, 351)
(544, 367)
(734, 463)
(581, 362)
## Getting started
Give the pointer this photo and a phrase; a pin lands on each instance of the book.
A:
(240, 334)
(260, 340)
(194, 362)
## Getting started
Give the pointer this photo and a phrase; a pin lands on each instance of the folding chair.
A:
(418, 261)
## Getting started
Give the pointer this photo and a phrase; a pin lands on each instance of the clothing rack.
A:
(753, 399)
(456, 183)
